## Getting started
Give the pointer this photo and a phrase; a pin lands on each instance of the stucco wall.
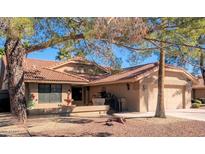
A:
(199, 93)
(33, 89)
(142, 95)
(188, 96)
(121, 90)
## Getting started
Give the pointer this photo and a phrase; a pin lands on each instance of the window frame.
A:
(50, 93)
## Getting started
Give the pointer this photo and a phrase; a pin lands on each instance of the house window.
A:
(49, 93)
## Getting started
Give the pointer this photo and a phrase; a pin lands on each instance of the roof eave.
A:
(198, 87)
(53, 81)
(146, 74)
(113, 82)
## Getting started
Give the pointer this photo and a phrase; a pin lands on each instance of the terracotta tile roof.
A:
(35, 70)
(30, 63)
(76, 60)
(66, 61)
(136, 72)
(126, 74)
(40, 71)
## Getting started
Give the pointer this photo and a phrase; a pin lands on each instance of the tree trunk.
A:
(160, 111)
(15, 54)
(202, 66)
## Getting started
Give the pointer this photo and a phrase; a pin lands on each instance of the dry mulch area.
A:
(67, 126)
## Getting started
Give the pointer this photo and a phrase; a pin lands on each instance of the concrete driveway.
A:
(192, 114)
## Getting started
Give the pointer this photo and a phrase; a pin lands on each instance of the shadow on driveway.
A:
(74, 120)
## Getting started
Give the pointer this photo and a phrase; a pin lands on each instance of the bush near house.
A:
(197, 101)
(31, 102)
(195, 105)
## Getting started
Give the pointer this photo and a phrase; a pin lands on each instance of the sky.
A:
(50, 54)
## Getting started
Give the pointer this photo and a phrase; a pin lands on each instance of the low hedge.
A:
(195, 105)
(197, 101)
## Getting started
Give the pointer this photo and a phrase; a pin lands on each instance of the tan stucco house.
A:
(77, 82)
(139, 86)
(198, 90)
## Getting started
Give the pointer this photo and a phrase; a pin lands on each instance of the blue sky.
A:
(46, 54)
(50, 54)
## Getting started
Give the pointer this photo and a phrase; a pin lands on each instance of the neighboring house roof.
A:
(30, 63)
(78, 60)
(37, 71)
(136, 73)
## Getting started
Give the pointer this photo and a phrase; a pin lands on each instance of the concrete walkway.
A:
(192, 114)
(134, 114)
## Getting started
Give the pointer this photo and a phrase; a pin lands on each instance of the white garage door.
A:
(173, 98)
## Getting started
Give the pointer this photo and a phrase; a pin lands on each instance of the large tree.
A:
(21, 36)
(174, 40)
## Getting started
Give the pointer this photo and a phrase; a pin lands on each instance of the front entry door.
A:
(77, 95)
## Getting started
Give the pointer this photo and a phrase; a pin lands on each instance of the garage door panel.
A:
(173, 98)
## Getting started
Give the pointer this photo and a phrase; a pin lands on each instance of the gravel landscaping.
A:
(67, 126)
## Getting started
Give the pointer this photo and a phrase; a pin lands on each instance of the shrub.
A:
(197, 101)
(31, 102)
(195, 105)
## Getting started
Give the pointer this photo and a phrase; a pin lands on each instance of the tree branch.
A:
(53, 42)
(135, 49)
(171, 43)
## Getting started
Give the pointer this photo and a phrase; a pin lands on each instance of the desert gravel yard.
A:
(67, 126)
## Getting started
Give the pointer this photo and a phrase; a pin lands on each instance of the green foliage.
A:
(181, 33)
(65, 53)
(177, 30)
(197, 101)
(195, 105)
(17, 27)
(116, 30)
(31, 102)
(99, 34)
(26, 44)
(1, 52)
